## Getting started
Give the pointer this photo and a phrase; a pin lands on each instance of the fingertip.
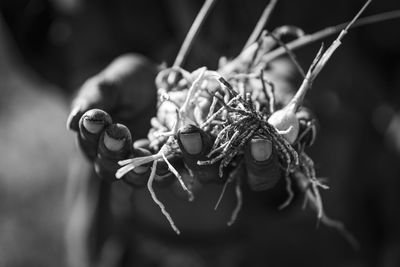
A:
(263, 170)
(115, 144)
(116, 141)
(195, 145)
(95, 120)
(90, 127)
(193, 141)
(261, 150)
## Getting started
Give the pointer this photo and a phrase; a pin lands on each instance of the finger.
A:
(195, 144)
(115, 144)
(94, 93)
(263, 171)
(91, 126)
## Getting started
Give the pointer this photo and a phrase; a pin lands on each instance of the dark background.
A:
(48, 48)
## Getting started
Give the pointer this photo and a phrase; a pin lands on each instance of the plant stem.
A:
(310, 38)
(194, 30)
(261, 23)
(320, 61)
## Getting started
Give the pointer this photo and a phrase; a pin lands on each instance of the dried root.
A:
(157, 201)
(239, 203)
(312, 196)
(238, 112)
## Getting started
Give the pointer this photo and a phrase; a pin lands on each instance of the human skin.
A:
(112, 110)
(126, 93)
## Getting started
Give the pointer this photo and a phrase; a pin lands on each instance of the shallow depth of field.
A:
(49, 48)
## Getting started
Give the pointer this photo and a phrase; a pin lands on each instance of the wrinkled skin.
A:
(126, 94)
(110, 112)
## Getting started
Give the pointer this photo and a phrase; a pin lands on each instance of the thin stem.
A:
(239, 203)
(290, 53)
(320, 61)
(357, 15)
(297, 100)
(179, 177)
(157, 201)
(221, 195)
(289, 191)
(261, 23)
(310, 38)
(194, 30)
(268, 93)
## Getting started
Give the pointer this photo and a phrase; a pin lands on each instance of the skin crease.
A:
(143, 205)
(146, 210)
(176, 203)
(363, 176)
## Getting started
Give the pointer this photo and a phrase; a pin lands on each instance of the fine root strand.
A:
(158, 202)
(289, 191)
(239, 203)
(179, 177)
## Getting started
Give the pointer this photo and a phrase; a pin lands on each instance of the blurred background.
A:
(50, 47)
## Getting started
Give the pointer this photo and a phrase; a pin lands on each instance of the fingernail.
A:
(261, 149)
(95, 120)
(191, 142)
(113, 144)
(93, 126)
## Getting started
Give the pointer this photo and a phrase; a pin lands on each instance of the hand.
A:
(260, 156)
(126, 91)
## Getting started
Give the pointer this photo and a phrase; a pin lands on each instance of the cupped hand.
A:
(114, 108)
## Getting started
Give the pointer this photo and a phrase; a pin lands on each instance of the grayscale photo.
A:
(201, 133)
